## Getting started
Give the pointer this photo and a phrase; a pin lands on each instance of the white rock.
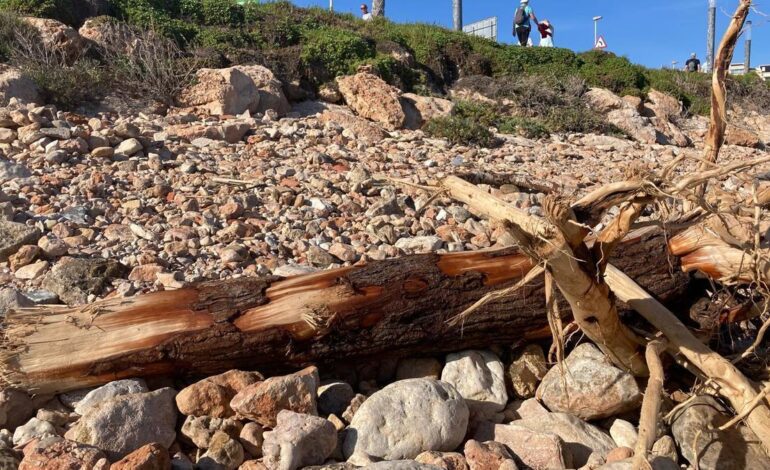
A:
(407, 418)
(110, 390)
(129, 147)
(479, 377)
(624, 433)
(33, 429)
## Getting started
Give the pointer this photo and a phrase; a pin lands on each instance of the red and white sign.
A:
(600, 43)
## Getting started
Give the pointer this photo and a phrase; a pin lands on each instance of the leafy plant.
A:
(329, 52)
(460, 130)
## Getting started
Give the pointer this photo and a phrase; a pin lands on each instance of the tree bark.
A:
(396, 307)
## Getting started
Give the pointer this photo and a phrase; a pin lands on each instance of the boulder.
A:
(742, 137)
(58, 36)
(11, 298)
(621, 114)
(590, 387)
(125, 423)
(479, 377)
(150, 457)
(538, 450)
(55, 453)
(664, 106)
(365, 131)
(526, 371)
(334, 398)
(33, 429)
(110, 390)
(372, 98)
(103, 31)
(407, 418)
(488, 455)
(13, 236)
(735, 448)
(261, 402)
(581, 438)
(224, 453)
(297, 441)
(421, 109)
(74, 279)
(222, 91)
(211, 396)
(200, 430)
(251, 438)
(271, 94)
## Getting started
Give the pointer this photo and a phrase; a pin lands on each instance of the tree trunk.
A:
(378, 7)
(395, 307)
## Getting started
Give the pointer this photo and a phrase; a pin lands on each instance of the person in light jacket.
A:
(546, 33)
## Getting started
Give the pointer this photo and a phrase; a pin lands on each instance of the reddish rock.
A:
(55, 453)
(372, 98)
(150, 457)
(212, 396)
(619, 453)
(145, 273)
(488, 456)
(262, 401)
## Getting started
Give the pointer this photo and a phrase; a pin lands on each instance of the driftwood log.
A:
(394, 307)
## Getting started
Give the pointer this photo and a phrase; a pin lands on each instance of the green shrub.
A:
(159, 15)
(481, 113)
(692, 89)
(392, 71)
(224, 40)
(62, 10)
(460, 130)
(222, 12)
(525, 127)
(66, 84)
(330, 52)
(606, 70)
(512, 60)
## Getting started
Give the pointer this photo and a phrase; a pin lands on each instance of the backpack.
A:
(520, 17)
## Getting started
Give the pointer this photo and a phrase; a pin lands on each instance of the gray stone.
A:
(10, 299)
(129, 147)
(407, 418)
(665, 447)
(224, 453)
(479, 377)
(13, 236)
(423, 244)
(595, 388)
(125, 423)
(334, 398)
(110, 390)
(11, 170)
(33, 429)
(581, 438)
(297, 441)
(74, 279)
(735, 448)
(200, 430)
(624, 433)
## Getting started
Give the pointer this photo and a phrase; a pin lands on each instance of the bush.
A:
(330, 52)
(159, 15)
(512, 60)
(692, 89)
(606, 70)
(525, 127)
(62, 80)
(222, 12)
(61, 10)
(460, 130)
(11, 26)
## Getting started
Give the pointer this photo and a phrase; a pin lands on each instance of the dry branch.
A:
(649, 416)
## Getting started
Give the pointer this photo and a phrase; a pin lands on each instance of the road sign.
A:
(600, 43)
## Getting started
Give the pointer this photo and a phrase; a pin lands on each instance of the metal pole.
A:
(747, 49)
(712, 25)
(596, 31)
(331, 5)
(457, 14)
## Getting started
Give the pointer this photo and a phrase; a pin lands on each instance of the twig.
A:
(648, 418)
(746, 410)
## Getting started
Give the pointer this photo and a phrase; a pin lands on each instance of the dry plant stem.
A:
(718, 125)
(648, 419)
(554, 320)
(615, 232)
(589, 297)
(745, 412)
(730, 382)
(757, 341)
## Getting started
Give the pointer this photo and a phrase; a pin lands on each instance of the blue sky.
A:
(649, 32)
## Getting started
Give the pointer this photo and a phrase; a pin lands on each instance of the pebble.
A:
(298, 440)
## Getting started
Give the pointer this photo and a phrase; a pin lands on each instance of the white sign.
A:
(600, 43)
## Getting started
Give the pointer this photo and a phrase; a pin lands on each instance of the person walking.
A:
(692, 64)
(546, 33)
(365, 15)
(522, 25)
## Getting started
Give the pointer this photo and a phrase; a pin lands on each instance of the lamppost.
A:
(712, 21)
(457, 15)
(673, 64)
(596, 29)
(747, 48)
